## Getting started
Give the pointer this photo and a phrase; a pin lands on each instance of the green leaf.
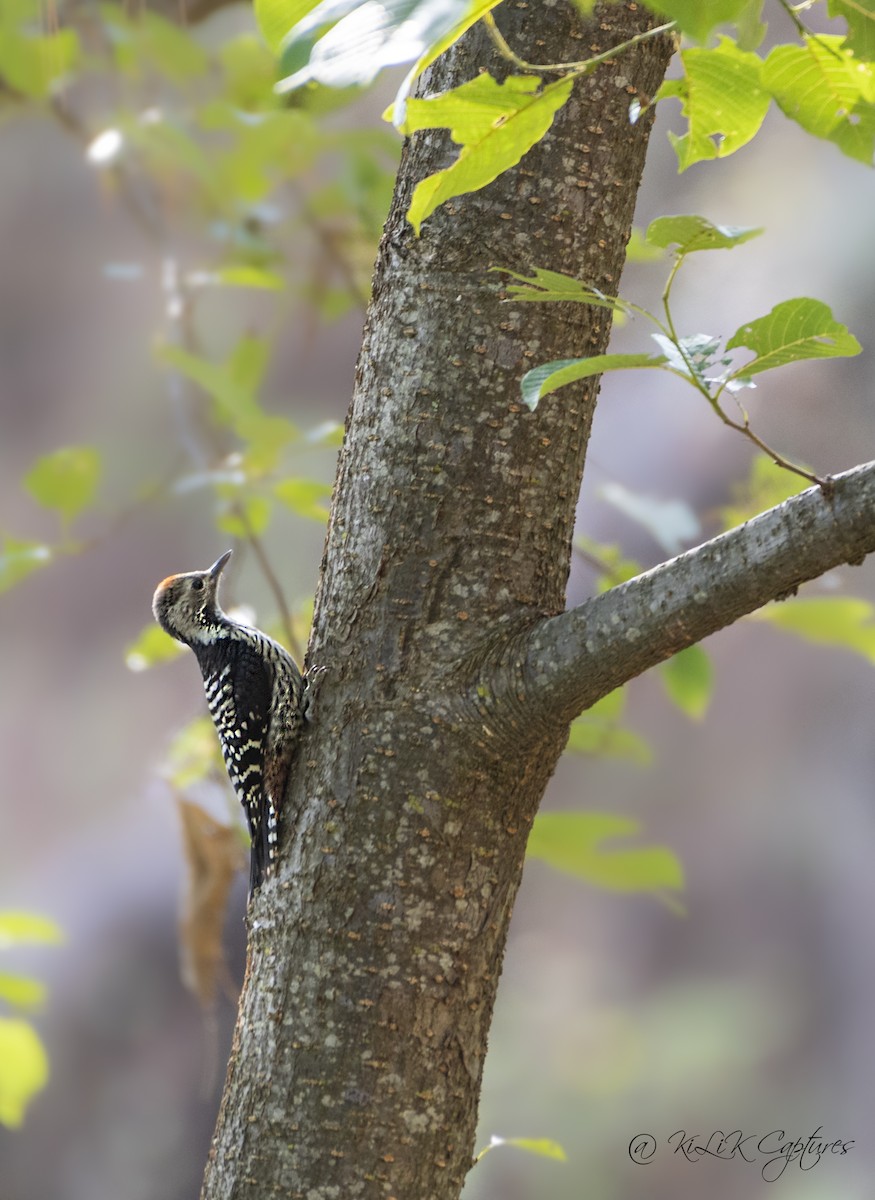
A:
(794, 330)
(766, 486)
(26, 929)
(598, 732)
(21, 992)
(194, 754)
(609, 561)
(241, 516)
(639, 249)
(697, 19)
(150, 647)
(35, 65)
(722, 100)
(543, 1147)
(306, 497)
(276, 17)
(842, 621)
(860, 16)
(147, 40)
(545, 285)
(828, 91)
(469, 15)
(688, 680)
(20, 559)
(65, 480)
(250, 71)
(495, 124)
(574, 844)
(692, 233)
(24, 1069)
(604, 740)
(244, 277)
(548, 377)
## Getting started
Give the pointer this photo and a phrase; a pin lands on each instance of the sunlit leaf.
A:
(598, 732)
(688, 678)
(306, 497)
(494, 123)
(244, 277)
(639, 249)
(692, 233)
(27, 929)
(766, 486)
(20, 991)
(194, 754)
(575, 843)
(842, 621)
(241, 515)
(860, 16)
(65, 480)
(20, 559)
(24, 1069)
(698, 19)
(722, 100)
(548, 377)
(542, 1147)
(613, 566)
(34, 64)
(794, 330)
(151, 646)
(828, 91)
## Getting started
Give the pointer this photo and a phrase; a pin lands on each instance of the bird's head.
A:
(185, 606)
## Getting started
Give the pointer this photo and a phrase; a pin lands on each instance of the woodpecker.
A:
(255, 694)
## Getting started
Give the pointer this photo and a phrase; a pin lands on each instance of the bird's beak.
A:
(216, 569)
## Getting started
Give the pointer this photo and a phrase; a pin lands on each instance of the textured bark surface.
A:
(374, 957)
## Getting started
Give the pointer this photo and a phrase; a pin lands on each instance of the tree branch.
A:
(568, 662)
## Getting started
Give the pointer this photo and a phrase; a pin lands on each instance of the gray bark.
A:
(374, 956)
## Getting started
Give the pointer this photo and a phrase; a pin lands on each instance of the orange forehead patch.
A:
(166, 582)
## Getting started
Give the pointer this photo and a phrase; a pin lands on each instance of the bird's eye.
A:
(197, 585)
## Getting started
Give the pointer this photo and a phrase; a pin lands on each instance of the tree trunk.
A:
(375, 955)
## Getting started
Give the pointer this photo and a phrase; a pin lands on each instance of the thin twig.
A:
(584, 66)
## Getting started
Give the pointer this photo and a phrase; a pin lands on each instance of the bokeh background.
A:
(616, 1015)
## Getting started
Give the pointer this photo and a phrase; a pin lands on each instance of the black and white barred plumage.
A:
(255, 694)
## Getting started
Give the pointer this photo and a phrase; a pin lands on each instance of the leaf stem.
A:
(694, 377)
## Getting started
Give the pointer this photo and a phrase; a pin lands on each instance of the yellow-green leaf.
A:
(495, 124)
(194, 754)
(827, 90)
(150, 647)
(843, 621)
(306, 497)
(794, 330)
(20, 559)
(766, 486)
(574, 843)
(24, 1069)
(24, 928)
(65, 480)
(722, 99)
(20, 991)
(543, 1147)
(688, 680)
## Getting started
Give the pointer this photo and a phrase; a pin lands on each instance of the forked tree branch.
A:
(570, 661)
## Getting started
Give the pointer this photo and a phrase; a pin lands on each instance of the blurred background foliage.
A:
(187, 257)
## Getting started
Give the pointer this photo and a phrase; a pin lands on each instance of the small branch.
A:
(584, 66)
(568, 662)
